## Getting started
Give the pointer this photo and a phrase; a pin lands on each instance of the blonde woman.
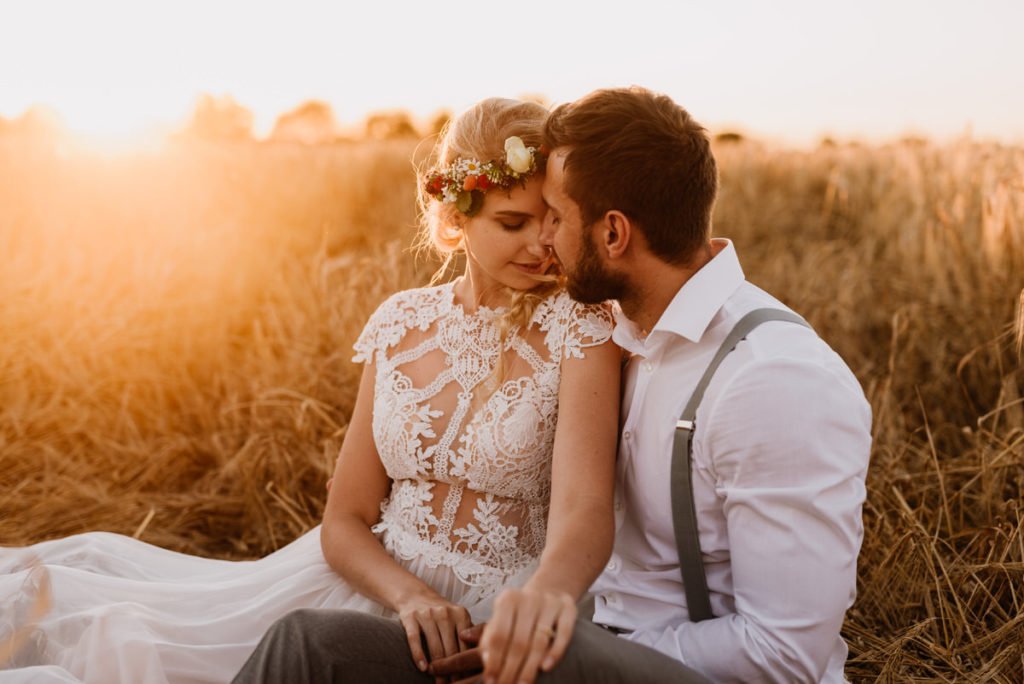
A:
(479, 460)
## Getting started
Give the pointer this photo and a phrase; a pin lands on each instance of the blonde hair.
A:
(480, 133)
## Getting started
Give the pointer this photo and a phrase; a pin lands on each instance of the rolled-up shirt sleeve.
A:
(787, 443)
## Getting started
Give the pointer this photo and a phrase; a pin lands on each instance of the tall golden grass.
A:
(175, 335)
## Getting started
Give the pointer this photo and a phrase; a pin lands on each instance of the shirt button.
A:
(618, 505)
(612, 600)
(613, 565)
(627, 434)
(648, 366)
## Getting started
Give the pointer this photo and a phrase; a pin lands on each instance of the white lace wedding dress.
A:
(469, 455)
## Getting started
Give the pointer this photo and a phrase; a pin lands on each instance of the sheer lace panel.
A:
(469, 452)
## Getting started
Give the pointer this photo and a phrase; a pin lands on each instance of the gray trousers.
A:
(313, 646)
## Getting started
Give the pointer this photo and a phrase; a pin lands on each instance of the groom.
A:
(780, 441)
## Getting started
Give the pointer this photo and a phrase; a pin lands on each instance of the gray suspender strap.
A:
(684, 513)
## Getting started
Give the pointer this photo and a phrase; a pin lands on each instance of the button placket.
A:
(640, 384)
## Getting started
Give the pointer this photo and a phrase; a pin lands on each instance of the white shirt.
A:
(780, 456)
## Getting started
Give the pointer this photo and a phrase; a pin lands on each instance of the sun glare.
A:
(115, 143)
(113, 130)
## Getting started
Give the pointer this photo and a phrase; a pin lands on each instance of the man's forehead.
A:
(550, 191)
(556, 160)
(554, 179)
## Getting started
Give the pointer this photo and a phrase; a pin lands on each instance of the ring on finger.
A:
(546, 631)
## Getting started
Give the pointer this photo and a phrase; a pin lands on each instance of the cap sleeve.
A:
(588, 325)
(376, 334)
(402, 311)
(571, 327)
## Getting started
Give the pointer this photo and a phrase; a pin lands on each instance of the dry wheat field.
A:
(176, 330)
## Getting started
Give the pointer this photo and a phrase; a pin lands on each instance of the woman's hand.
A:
(431, 618)
(529, 631)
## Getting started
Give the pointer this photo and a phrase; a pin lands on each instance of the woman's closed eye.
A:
(512, 226)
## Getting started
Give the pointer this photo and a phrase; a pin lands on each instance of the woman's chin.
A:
(526, 282)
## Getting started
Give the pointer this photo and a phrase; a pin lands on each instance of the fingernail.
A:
(423, 665)
(547, 664)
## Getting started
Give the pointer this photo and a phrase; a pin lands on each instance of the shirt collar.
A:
(692, 309)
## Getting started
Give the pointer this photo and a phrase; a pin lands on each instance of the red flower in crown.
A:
(483, 182)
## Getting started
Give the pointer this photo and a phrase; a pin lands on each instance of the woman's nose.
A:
(537, 248)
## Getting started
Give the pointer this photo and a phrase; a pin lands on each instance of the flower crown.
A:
(464, 182)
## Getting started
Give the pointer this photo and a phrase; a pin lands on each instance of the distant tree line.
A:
(37, 123)
(311, 123)
(222, 119)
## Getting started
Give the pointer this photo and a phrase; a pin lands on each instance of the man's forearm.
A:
(734, 649)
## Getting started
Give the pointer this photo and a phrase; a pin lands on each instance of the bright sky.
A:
(793, 69)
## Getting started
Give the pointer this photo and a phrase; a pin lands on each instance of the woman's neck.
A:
(473, 291)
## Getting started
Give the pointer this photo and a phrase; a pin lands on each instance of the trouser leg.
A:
(332, 647)
(596, 656)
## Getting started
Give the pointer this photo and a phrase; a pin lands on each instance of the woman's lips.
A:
(533, 269)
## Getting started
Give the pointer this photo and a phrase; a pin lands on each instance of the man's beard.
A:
(590, 282)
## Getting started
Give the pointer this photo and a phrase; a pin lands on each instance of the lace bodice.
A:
(469, 453)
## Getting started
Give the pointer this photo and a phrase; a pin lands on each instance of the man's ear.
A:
(616, 234)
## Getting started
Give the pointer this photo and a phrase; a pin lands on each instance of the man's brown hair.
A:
(642, 154)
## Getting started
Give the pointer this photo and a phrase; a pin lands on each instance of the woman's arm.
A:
(360, 483)
(531, 627)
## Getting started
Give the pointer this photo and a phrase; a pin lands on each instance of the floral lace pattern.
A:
(469, 454)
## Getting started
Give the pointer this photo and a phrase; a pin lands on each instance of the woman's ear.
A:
(458, 220)
(616, 234)
(451, 229)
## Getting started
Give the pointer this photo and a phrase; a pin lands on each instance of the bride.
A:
(479, 457)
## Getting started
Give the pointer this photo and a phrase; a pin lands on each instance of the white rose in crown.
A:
(517, 156)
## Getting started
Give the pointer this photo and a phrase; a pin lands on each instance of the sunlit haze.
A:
(793, 70)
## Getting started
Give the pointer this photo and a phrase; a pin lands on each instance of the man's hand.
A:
(466, 664)
(529, 631)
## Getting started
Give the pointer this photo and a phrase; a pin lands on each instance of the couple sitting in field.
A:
(599, 403)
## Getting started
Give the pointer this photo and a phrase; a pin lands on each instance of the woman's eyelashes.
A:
(512, 226)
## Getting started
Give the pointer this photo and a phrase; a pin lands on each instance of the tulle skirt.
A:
(121, 610)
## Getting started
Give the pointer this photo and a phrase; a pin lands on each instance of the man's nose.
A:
(547, 231)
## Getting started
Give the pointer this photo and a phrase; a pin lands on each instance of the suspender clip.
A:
(684, 425)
